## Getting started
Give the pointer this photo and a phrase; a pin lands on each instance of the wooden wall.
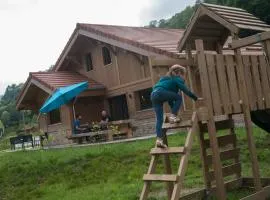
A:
(126, 66)
(90, 108)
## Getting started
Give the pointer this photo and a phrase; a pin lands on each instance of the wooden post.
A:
(189, 71)
(167, 163)
(203, 154)
(117, 68)
(247, 118)
(221, 194)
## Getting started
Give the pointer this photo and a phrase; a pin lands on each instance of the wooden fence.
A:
(224, 82)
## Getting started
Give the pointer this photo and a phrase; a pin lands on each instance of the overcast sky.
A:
(34, 32)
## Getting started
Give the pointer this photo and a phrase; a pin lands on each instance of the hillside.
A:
(105, 172)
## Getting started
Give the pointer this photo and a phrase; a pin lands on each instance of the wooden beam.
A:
(158, 177)
(169, 150)
(211, 123)
(169, 62)
(260, 37)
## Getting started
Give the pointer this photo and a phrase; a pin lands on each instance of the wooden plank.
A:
(213, 84)
(223, 84)
(211, 123)
(231, 14)
(248, 122)
(233, 86)
(256, 79)
(158, 177)
(250, 23)
(225, 155)
(220, 125)
(225, 8)
(264, 80)
(240, 18)
(250, 85)
(250, 27)
(151, 169)
(227, 171)
(222, 141)
(169, 150)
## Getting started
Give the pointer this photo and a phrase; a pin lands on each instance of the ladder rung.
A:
(158, 177)
(169, 150)
(182, 124)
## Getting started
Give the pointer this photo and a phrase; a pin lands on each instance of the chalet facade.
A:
(115, 60)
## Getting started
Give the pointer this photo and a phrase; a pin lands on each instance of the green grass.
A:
(109, 172)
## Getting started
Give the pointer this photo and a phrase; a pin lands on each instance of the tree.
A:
(5, 117)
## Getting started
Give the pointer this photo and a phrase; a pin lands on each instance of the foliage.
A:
(260, 8)
(107, 171)
(8, 113)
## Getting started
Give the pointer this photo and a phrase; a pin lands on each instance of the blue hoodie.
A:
(174, 84)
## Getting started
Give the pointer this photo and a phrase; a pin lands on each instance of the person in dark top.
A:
(105, 119)
(168, 89)
(77, 125)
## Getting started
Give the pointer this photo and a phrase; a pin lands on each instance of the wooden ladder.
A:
(174, 181)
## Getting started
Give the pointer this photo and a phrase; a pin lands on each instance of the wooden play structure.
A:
(232, 80)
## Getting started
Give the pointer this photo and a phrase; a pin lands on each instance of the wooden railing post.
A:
(221, 194)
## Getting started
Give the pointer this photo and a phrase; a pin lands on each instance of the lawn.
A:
(109, 172)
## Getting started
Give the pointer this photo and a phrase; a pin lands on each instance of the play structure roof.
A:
(214, 23)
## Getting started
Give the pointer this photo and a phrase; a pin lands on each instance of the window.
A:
(88, 62)
(118, 107)
(145, 98)
(55, 116)
(106, 56)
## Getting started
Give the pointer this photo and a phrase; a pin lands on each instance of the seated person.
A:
(105, 119)
(77, 125)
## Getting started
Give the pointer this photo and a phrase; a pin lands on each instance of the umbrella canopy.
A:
(63, 95)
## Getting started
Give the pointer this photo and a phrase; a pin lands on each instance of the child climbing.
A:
(167, 90)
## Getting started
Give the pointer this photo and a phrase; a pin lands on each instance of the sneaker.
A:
(160, 144)
(174, 119)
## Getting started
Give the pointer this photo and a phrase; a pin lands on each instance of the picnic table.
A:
(124, 131)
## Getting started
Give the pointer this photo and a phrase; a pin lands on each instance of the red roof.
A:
(55, 80)
(157, 40)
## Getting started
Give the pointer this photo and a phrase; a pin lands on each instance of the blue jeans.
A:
(158, 97)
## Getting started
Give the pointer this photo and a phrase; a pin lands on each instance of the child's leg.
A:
(177, 104)
(158, 107)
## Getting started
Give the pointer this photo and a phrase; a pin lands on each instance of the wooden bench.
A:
(124, 127)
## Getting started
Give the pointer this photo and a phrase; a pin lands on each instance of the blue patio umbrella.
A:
(62, 96)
